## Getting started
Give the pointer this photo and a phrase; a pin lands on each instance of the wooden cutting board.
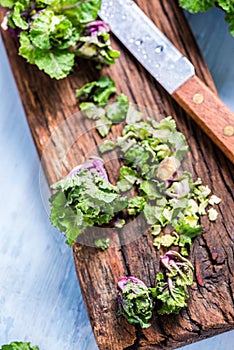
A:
(49, 104)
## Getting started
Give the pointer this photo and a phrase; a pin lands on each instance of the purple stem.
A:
(96, 27)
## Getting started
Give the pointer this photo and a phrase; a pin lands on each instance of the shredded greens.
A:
(153, 153)
(151, 181)
(53, 32)
(204, 5)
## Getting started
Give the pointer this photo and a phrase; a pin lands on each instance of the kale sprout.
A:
(135, 301)
(172, 283)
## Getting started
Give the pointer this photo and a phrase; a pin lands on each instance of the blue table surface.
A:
(40, 297)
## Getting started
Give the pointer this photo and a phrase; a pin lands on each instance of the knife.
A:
(171, 69)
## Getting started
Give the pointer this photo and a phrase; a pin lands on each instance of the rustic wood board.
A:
(48, 104)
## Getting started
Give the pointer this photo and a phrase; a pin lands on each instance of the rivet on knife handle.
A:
(209, 112)
(171, 69)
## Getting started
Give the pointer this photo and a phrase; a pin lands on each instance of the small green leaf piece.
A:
(7, 3)
(103, 126)
(133, 115)
(117, 111)
(102, 243)
(165, 241)
(212, 214)
(214, 200)
(97, 91)
(107, 145)
(92, 111)
(17, 18)
(27, 50)
(136, 205)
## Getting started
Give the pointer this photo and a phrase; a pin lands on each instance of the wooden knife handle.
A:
(209, 112)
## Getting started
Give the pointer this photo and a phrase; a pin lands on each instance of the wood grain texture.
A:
(209, 112)
(48, 105)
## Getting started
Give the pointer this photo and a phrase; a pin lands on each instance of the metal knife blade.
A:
(171, 69)
(147, 43)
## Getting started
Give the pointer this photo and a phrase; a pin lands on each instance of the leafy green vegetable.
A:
(103, 125)
(197, 6)
(107, 145)
(16, 18)
(102, 243)
(19, 346)
(7, 3)
(153, 153)
(171, 291)
(172, 203)
(136, 205)
(165, 241)
(84, 198)
(134, 300)
(204, 5)
(133, 115)
(79, 12)
(97, 91)
(182, 237)
(92, 111)
(230, 20)
(53, 32)
(94, 43)
(117, 111)
(97, 94)
(127, 178)
(56, 63)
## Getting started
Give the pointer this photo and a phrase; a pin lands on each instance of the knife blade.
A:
(171, 69)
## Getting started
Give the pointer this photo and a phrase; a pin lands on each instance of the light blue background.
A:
(40, 298)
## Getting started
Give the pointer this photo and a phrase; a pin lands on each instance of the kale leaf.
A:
(19, 346)
(97, 92)
(204, 5)
(83, 199)
(52, 33)
(197, 6)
